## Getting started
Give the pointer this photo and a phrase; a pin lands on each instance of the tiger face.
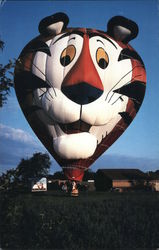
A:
(80, 88)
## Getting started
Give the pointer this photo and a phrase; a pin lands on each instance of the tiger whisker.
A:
(45, 77)
(42, 93)
(124, 85)
(120, 97)
(120, 80)
(50, 93)
(45, 97)
(111, 97)
(40, 72)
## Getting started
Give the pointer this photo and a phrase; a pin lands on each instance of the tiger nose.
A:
(82, 93)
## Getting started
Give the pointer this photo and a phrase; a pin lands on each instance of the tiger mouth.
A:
(75, 127)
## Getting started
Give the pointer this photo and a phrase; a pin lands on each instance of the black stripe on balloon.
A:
(129, 54)
(134, 90)
(27, 80)
(34, 46)
(31, 109)
(126, 117)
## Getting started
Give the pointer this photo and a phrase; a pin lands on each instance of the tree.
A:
(6, 78)
(36, 166)
(59, 175)
(1, 44)
(8, 179)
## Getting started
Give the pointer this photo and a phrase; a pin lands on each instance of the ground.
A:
(94, 220)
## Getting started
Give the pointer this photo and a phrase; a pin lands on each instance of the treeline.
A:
(37, 166)
(6, 78)
(18, 179)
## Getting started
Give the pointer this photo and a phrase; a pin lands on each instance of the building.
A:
(55, 182)
(121, 179)
(154, 180)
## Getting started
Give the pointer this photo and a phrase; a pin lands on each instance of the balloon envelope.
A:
(80, 88)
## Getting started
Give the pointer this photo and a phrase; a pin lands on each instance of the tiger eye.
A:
(102, 58)
(67, 55)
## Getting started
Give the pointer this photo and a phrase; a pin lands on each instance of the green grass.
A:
(93, 220)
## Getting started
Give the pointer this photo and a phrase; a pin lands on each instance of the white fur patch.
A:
(55, 28)
(55, 72)
(101, 112)
(39, 63)
(59, 107)
(75, 146)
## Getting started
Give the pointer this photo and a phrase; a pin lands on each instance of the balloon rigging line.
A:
(75, 167)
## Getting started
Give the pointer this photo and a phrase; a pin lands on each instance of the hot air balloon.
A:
(80, 88)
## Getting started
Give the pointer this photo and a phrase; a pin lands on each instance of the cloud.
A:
(14, 134)
(16, 144)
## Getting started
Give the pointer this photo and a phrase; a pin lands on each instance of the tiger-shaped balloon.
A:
(80, 88)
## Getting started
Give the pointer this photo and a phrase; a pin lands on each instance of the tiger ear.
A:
(53, 24)
(122, 29)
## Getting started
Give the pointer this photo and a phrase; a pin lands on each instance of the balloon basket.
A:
(74, 193)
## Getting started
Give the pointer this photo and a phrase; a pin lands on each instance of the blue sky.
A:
(138, 147)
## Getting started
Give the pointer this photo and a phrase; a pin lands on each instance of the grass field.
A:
(94, 220)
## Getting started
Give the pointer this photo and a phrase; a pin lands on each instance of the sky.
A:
(138, 147)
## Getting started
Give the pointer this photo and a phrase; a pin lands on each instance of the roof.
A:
(153, 175)
(123, 174)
